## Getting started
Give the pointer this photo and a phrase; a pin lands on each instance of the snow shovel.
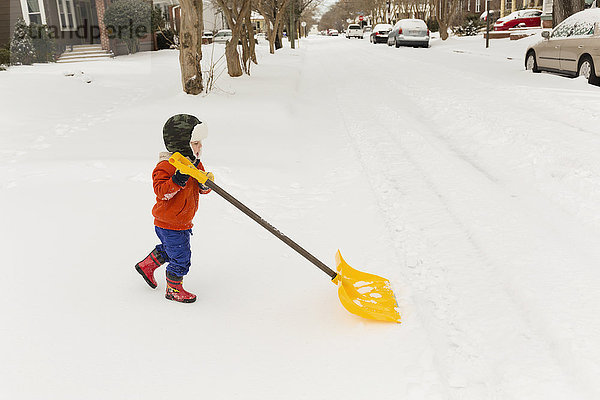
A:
(366, 295)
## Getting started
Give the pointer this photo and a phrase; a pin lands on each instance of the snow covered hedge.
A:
(4, 57)
(128, 21)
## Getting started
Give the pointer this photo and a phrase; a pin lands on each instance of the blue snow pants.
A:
(176, 250)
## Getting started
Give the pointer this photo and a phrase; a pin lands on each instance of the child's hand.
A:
(210, 176)
(180, 179)
(204, 189)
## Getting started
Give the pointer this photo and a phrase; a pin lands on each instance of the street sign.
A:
(303, 23)
(360, 18)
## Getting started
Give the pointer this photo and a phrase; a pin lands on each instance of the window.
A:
(66, 13)
(477, 6)
(563, 30)
(532, 14)
(33, 11)
(583, 28)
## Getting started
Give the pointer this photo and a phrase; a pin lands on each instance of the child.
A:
(176, 204)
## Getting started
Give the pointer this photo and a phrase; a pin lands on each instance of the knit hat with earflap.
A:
(177, 133)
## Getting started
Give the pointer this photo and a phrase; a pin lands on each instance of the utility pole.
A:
(487, 20)
(292, 27)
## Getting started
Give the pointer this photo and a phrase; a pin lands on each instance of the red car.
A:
(521, 18)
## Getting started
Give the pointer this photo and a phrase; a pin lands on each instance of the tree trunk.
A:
(443, 26)
(245, 50)
(250, 29)
(270, 36)
(234, 67)
(190, 46)
(235, 20)
(562, 9)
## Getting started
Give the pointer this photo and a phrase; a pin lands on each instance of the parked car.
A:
(354, 30)
(207, 37)
(222, 36)
(261, 37)
(409, 32)
(572, 48)
(333, 32)
(493, 16)
(367, 28)
(380, 33)
(521, 18)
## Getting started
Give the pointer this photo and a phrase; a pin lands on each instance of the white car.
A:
(207, 37)
(333, 32)
(409, 32)
(354, 30)
(223, 36)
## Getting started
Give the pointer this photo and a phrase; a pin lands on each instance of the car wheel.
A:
(531, 62)
(586, 69)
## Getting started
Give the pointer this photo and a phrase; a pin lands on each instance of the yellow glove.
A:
(210, 176)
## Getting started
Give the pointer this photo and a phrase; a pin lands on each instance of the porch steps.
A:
(84, 52)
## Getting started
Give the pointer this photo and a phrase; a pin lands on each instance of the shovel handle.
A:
(240, 206)
(184, 165)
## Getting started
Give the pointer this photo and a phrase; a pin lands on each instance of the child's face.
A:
(196, 148)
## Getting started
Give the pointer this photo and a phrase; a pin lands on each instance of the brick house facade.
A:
(71, 22)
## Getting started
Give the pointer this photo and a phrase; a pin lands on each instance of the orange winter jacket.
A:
(175, 205)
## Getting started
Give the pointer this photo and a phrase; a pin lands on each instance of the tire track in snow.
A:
(383, 168)
(557, 344)
(417, 376)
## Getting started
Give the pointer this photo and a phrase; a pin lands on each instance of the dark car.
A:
(380, 33)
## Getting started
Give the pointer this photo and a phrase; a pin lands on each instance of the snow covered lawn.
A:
(473, 185)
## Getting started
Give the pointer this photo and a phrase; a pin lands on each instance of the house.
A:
(213, 18)
(71, 22)
(81, 22)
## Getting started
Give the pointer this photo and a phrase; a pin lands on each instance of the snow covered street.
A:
(471, 184)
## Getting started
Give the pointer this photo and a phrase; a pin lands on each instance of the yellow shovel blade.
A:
(366, 295)
(184, 165)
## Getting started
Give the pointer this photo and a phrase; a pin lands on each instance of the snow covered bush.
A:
(165, 39)
(470, 26)
(128, 21)
(4, 57)
(22, 50)
(433, 25)
(44, 45)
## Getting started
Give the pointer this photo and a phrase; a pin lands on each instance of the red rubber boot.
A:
(147, 266)
(175, 290)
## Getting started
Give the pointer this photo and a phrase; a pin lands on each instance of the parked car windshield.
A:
(353, 26)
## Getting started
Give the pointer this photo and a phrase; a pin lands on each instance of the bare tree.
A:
(274, 12)
(190, 49)
(445, 11)
(234, 11)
